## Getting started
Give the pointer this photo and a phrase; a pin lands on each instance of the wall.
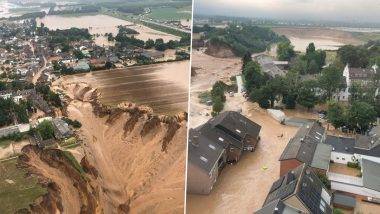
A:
(200, 182)
(337, 157)
(287, 165)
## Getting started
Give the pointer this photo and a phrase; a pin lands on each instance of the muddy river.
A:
(102, 24)
(323, 38)
(163, 87)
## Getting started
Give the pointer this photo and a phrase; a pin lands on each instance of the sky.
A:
(317, 10)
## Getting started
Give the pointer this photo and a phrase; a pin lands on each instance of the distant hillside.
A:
(239, 39)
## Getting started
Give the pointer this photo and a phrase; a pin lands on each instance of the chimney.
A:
(194, 141)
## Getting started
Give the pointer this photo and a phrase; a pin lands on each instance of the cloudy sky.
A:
(333, 10)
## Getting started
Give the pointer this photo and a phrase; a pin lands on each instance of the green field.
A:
(16, 191)
(365, 37)
(170, 13)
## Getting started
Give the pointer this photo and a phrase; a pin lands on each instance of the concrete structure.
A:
(298, 191)
(61, 129)
(270, 66)
(367, 186)
(307, 147)
(219, 141)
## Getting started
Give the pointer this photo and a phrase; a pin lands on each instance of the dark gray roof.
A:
(203, 152)
(303, 145)
(344, 200)
(341, 144)
(277, 207)
(351, 145)
(371, 174)
(236, 125)
(304, 183)
(229, 128)
(322, 155)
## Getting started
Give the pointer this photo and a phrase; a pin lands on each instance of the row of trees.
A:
(291, 89)
(242, 39)
(11, 112)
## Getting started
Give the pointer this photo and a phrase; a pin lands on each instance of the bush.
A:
(74, 123)
(325, 180)
(353, 165)
(46, 130)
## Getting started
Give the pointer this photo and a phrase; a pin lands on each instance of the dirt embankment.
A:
(68, 190)
(219, 50)
(134, 160)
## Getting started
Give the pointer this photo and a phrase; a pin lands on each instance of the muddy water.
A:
(300, 44)
(242, 188)
(164, 86)
(102, 24)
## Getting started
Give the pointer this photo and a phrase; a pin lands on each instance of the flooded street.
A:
(163, 87)
(100, 25)
(238, 188)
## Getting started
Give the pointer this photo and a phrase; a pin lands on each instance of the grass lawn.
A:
(365, 37)
(5, 143)
(169, 13)
(16, 191)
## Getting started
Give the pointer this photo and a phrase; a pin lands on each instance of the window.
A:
(211, 146)
(337, 158)
(204, 159)
(343, 158)
(238, 131)
(221, 139)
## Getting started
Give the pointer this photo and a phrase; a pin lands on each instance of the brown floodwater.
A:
(100, 25)
(163, 87)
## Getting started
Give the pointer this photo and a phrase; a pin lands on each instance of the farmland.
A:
(16, 191)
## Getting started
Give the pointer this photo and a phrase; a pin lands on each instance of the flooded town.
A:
(93, 102)
(265, 96)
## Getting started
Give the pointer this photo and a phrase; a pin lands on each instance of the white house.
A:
(356, 149)
(351, 75)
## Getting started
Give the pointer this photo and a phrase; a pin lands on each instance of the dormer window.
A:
(220, 139)
(238, 131)
(204, 159)
(211, 146)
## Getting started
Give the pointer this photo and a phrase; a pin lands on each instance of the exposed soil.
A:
(219, 51)
(208, 70)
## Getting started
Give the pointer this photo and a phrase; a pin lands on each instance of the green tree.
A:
(307, 95)
(285, 51)
(331, 81)
(217, 106)
(313, 67)
(361, 115)
(354, 56)
(253, 76)
(336, 114)
(246, 59)
(310, 48)
(46, 130)
(149, 44)
(258, 95)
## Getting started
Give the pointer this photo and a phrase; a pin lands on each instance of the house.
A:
(358, 75)
(271, 67)
(153, 54)
(219, 141)
(307, 147)
(366, 187)
(206, 158)
(356, 149)
(6, 131)
(234, 131)
(82, 65)
(298, 191)
(61, 129)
